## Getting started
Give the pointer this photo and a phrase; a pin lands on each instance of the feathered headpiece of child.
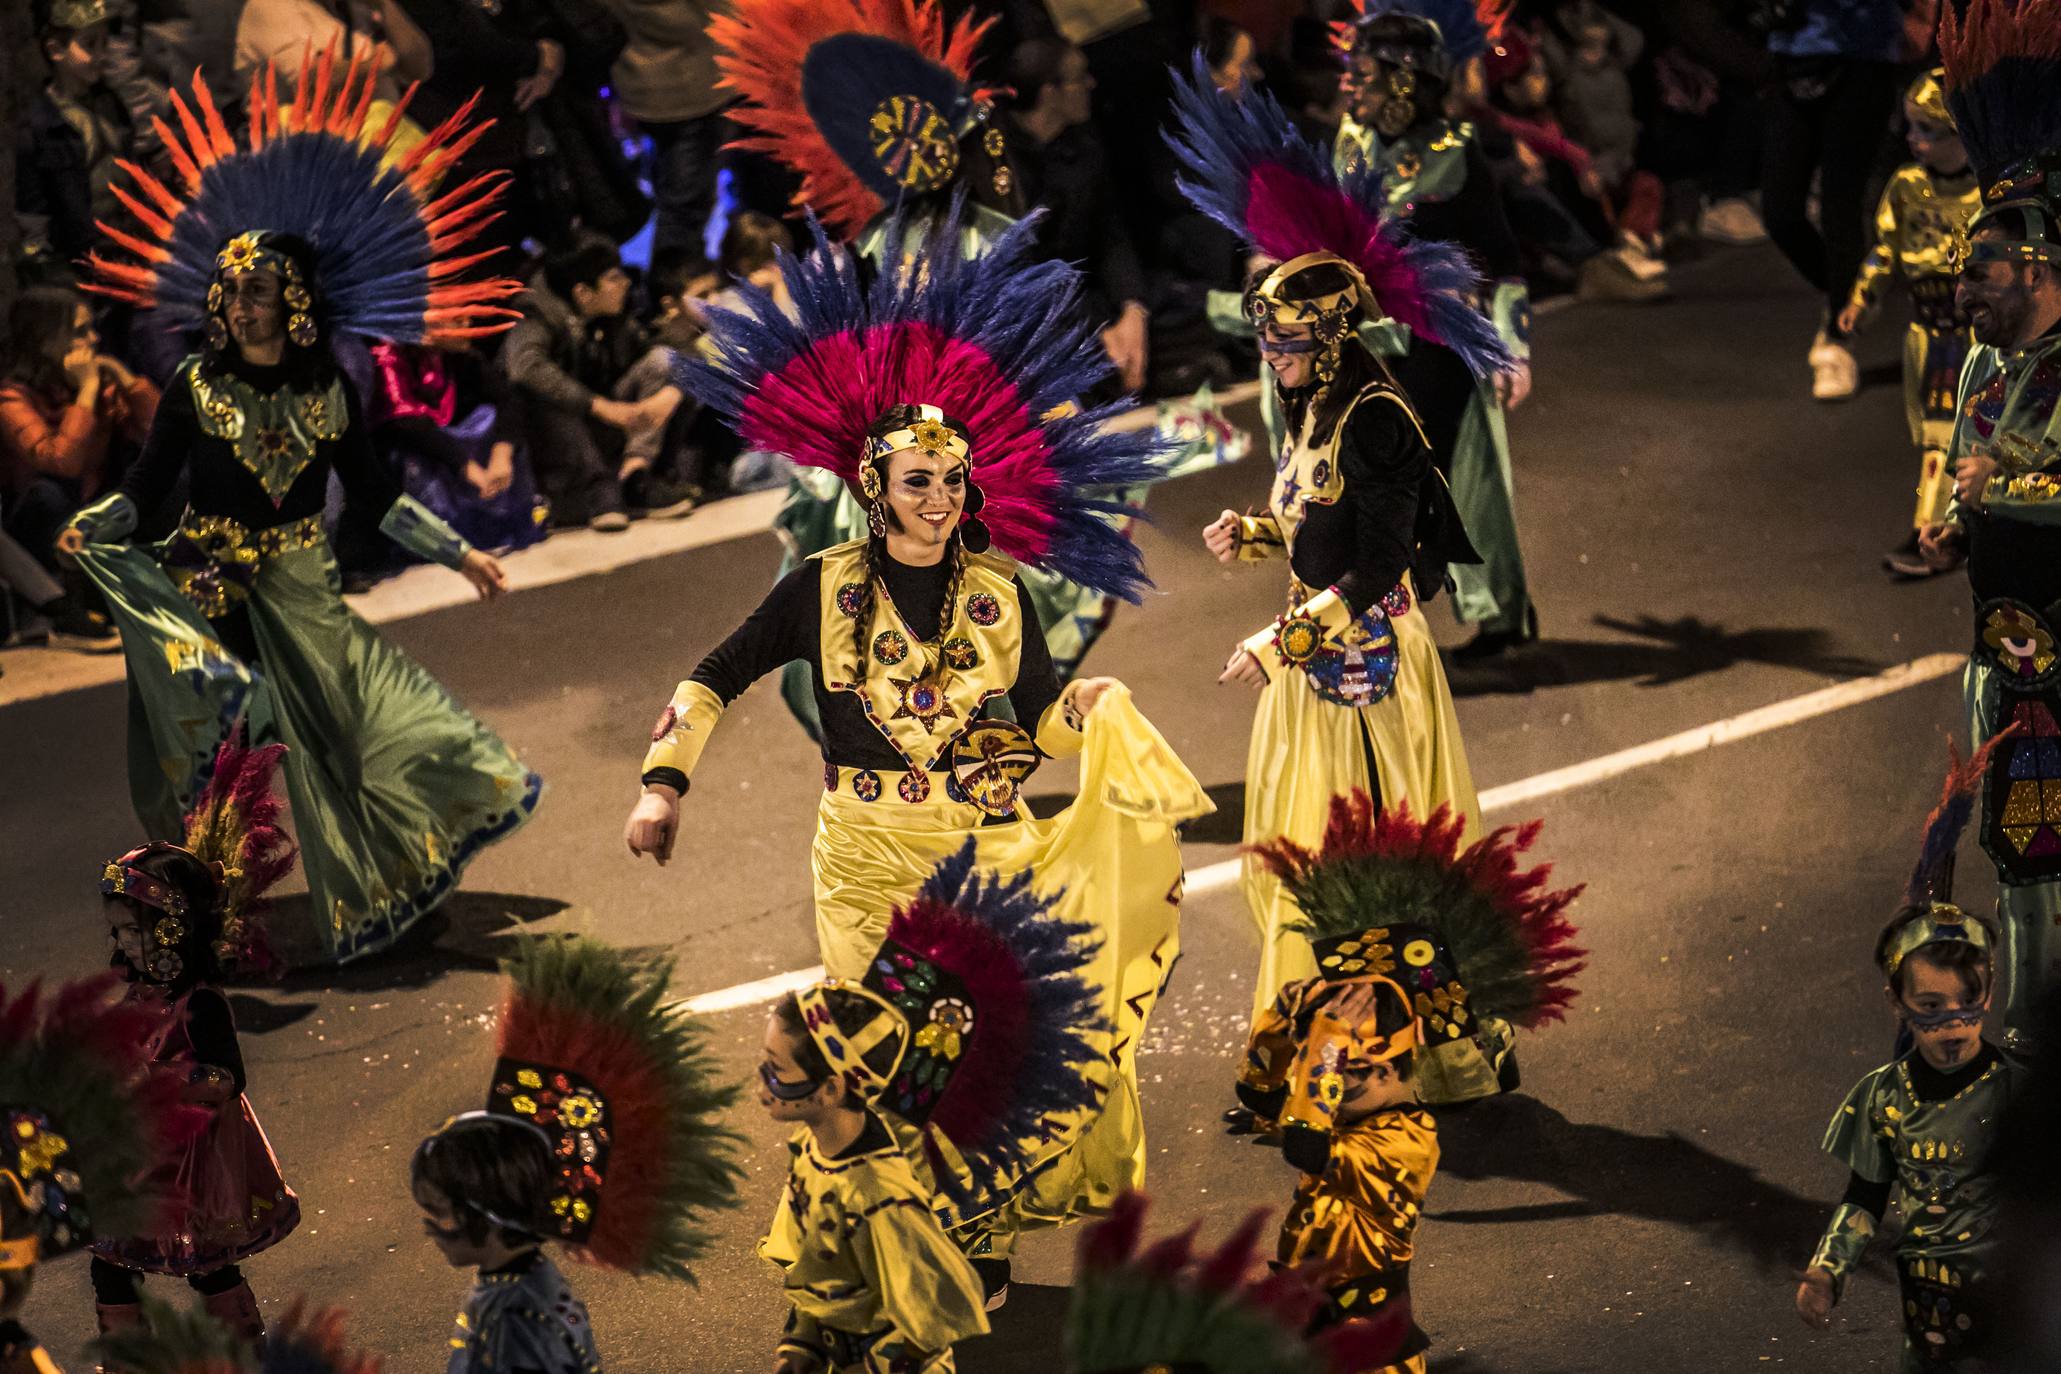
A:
(1930, 889)
(621, 1081)
(869, 101)
(998, 343)
(1167, 1307)
(1463, 932)
(87, 1116)
(2003, 83)
(175, 1340)
(978, 988)
(382, 235)
(1251, 170)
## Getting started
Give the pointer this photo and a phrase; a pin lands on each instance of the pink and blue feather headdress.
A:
(998, 342)
(383, 232)
(1251, 170)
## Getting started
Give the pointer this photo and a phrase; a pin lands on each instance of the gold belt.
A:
(213, 560)
(873, 784)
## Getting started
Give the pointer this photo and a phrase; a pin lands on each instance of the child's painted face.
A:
(126, 927)
(785, 1091)
(441, 1223)
(1936, 145)
(1944, 1019)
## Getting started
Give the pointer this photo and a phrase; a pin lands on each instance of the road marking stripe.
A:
(1217, 876)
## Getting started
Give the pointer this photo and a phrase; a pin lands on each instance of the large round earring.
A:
(301, 329)
(869, 482)
(876, 519)
(217, 333)
(976, 499)
(974, 536)
(1399, 111)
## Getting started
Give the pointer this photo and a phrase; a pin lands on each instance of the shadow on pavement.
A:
(1026, 1334)
(1606, 1171)
(256, 1016)
(1673, 651)
(471, 931)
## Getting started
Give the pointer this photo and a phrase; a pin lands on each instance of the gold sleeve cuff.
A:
(1295, 638)
(1259, 538)
(1059, 729)
(683, 729)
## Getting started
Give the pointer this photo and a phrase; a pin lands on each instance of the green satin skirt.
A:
(394, 787)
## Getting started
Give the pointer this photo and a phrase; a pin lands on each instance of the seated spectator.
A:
(71, 417)
(77, 127)
(38, 610)
(1062, 168)
(569, 360)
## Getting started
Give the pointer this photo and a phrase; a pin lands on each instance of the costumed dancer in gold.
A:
(944, 394)
(1925, 210)
(1352, 693)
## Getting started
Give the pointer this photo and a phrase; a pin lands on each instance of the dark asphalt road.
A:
(1702, 541)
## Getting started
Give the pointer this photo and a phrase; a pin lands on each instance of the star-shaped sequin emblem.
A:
(923, 700)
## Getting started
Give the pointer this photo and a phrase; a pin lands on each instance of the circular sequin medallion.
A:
(866, 785)
(983, 609)
(848, 598)
(889, 646)
(1397, 602)
(1298, 639)
(960, 655)
(914, 787)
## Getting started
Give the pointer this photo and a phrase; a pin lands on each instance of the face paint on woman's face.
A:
(252, 304)
(926, 495)
(1291, 350)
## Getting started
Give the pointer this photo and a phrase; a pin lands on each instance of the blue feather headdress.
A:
(1251, 170)
(980, 986)
(2003, 84)
(382, 236)
(997, 342)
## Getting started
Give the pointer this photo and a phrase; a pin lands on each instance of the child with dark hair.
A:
(182, 916)
(1923, 1128)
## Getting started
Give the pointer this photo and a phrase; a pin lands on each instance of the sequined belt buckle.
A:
(213, 560)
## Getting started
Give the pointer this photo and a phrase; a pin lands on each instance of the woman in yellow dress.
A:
(943, 394)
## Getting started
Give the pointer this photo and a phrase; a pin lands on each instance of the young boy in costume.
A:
(1924, 210)
(599, 1134)
(1924, 1126)
(923, 1092)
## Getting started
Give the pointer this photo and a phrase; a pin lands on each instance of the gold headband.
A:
(931, 433)
(846, 1054)
(1942, 924)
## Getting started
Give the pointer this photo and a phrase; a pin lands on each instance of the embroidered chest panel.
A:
(273, 434)
(920, 694)
(1420, 169)
(2012, 415)
(1307, 473)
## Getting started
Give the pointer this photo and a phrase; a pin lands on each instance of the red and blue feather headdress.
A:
(383, 238)
(867, 100)
(1251, 170)
(998, 342)
(2003, 85)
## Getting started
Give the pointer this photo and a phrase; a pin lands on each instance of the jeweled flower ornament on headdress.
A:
(2002, 61)
(996, 346)
(381, 233)
(1248, 167)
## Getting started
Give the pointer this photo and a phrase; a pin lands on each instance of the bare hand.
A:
(485, 573)
(1351, 1003)
(1124, 341)
(550, 66)
(81, 364)
(1971, 475)
(1849, 318)
(1512, 387)
(653, 824)
(1086, 693)
(657, 409)
(1942, 546)
(1814, 1297)
(70, 540)
(494, 476)
(615, 414)
(1244, 668)
(1220, 537)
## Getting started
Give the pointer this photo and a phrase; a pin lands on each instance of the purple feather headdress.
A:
(1254, 173)
(999, 342)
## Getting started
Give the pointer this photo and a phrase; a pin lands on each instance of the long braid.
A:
(945, 614)
(862, 620)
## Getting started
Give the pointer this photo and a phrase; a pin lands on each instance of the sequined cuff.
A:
(683, 729)
(1844, 1242)
(1296, 637)
(1259, 537)
(419, 530)
(111, 518)
(1059, 729)
(1510, 312)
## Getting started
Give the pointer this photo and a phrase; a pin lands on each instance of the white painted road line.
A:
(1217, 876)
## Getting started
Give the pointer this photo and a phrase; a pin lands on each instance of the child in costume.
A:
(1922, 1128)
(1924, 210)
(1166, 1308)
(90, 1120)
(183, 915)
(599, 1134)
(923, 1092)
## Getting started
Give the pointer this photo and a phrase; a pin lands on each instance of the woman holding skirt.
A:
(1352, 693)
(942, 394)
(238, 616)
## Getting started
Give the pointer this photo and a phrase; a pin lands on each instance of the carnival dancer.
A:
(2004, 88)
(1399, 73)
(1137, 1308)
(1923, 213)
(184, 916)
(927, 1091)
(92, 1118)
(873, 104)
(272, 250)
(941, 393)
(1478, 943)
(1352, 693)
(1925, 1127)
(600, 1134)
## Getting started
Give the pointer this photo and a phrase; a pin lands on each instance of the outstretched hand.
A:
(485, 573)
(654, 824)
(1814, 1297)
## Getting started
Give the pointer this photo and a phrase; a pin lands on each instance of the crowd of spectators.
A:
(1624, 137)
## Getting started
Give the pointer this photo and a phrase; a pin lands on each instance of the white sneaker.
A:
(1640, 263)
(1834, 374)
(1731, 220)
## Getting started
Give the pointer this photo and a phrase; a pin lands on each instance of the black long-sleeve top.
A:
(1393, 517)
(1474, 218)
(1440, 389)
(788, 626)
(218, 484)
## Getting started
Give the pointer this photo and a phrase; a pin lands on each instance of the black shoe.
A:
(659, 498)
(72, 626)
(1488, 644)
(994, 1280)
(1240, 1121)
